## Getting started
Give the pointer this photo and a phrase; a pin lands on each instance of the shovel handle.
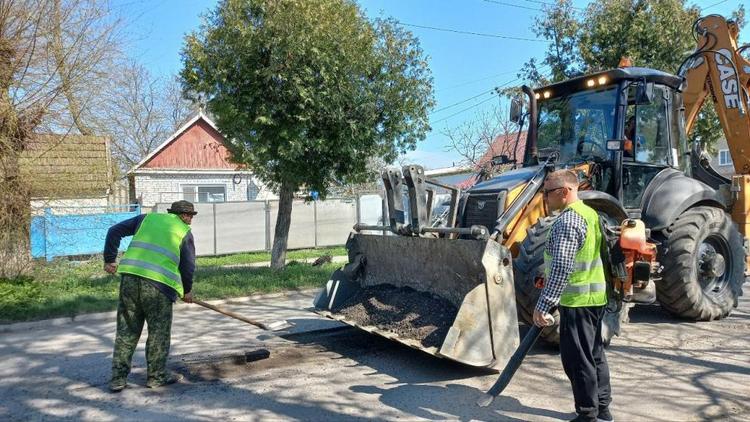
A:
(513, 364)
(230, 314)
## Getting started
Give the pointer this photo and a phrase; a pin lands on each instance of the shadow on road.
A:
(453, 401)
(413, 370)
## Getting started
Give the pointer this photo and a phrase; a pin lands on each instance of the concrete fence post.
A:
(215, 233)
(267, 224)
(46, 220)
(315, 223)
(357, 209)
(383, 211)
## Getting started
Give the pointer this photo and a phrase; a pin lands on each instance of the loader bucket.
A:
(452, 298)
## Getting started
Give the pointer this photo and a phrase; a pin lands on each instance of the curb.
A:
(111, 315)
(335, 259)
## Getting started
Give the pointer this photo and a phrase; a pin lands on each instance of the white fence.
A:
(232, 227)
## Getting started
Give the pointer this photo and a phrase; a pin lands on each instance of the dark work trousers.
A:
(582, 354)
(141, 302)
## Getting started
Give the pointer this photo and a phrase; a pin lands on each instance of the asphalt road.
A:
(662, 369)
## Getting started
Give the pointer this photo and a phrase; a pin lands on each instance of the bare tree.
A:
(491, 130)
(85, 47)
(177, 107)
(141, 112)
(370, 184)
(48, 48)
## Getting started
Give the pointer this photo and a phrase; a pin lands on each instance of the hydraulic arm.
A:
(718, 68)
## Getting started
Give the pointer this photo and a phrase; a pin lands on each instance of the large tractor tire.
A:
(703, 256)
(526, 267)
(530, 263)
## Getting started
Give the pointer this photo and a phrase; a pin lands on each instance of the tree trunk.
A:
(14, 191)
(14, 219)
(283, 221)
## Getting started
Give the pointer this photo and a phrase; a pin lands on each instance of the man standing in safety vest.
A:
(157, 268)
(575, 280)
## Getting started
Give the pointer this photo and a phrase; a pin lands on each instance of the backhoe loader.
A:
(458, 291)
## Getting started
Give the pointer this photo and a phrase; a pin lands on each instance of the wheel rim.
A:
(713, 263)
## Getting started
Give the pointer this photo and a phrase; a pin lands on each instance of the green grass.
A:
(63, 289)
(253, 257)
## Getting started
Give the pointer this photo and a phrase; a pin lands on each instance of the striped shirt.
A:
(566, 238)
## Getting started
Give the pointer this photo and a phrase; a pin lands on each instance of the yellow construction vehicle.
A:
(457, 291)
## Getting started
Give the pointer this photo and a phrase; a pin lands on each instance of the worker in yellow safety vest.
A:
(575, 283)
(157, 268)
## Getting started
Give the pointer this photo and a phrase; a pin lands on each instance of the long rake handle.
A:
(231, 314)
(510, 369)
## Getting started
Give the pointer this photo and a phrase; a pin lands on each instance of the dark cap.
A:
(182, 207)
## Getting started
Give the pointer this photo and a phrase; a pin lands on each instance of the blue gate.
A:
(76, 230)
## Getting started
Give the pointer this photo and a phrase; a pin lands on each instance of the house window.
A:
(203, 193)
(252, 191)
(724, 158)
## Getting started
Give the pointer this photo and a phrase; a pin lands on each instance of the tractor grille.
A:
(483, 209)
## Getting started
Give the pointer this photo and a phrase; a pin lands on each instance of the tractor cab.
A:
(626, 121)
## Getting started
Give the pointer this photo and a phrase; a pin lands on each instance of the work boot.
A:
(170, 379)
(117, 384)
(605, 416)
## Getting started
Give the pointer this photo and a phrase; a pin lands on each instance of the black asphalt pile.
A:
(402, 310)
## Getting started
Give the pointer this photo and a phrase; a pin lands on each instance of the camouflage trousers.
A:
(141, 302)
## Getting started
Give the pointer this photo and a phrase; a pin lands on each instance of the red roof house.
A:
(502, 145)
(193, 164)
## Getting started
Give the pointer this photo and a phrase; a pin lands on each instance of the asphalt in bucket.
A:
(402, 310)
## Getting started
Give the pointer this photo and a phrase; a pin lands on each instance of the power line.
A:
(463, 101)
(495, 89)
(461, 111)
(477, 80)
(489, 91)
(512, 5)
(480, 34)
(551, 4)
(715, 4)
(541, 2)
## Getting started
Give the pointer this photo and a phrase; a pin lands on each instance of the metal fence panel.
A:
(219, 228)
(70, 234)
(336, 217)
(371, 209)
(302, 228)
(202, 227)
(240, 227)
(232, 227)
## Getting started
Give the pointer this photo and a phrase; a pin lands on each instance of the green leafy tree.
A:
(307, 92)
(652, 33)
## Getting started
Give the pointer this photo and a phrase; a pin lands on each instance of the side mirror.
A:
(516, 110)
(644, 93)
(615, 145)
(500, 160)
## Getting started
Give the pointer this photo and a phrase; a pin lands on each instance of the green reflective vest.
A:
(587, 283)
(154, 251)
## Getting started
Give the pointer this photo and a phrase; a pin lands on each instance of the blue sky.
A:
(463, 66)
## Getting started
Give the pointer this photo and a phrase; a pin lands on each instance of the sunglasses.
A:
(548, 191)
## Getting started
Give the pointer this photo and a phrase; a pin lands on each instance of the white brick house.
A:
(193, 164)
(722, 161)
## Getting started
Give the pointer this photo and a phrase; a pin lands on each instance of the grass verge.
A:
(254, 257)
(64, 289)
